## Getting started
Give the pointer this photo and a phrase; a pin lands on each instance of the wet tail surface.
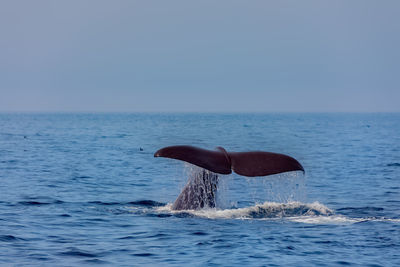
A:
(251, 164)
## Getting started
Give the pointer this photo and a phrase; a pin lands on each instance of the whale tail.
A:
(253, 163)
(200, 191)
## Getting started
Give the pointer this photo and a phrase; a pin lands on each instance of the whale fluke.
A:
(253, 163)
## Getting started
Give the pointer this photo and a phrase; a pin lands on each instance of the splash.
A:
(238, 192)
(234, 191)
(234, 197)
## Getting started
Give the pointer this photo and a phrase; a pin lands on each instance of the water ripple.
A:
(78, 253)
(10, 238)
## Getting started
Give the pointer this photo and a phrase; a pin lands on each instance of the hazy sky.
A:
(200, 55)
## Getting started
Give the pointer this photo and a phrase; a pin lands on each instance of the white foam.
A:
(338, 219)
(309, 213)
(333, 219)
(267, 210)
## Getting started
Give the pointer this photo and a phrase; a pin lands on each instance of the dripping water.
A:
(208, 189)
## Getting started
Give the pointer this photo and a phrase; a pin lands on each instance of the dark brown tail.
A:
(255, 163)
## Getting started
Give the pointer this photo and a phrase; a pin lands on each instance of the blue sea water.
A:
(85, 189)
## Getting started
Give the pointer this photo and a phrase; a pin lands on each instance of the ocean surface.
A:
(85, 189)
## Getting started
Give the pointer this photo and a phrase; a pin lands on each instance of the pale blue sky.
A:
(211, 56)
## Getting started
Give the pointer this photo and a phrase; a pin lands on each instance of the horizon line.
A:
(198, 112)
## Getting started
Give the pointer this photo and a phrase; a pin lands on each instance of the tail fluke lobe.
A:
(259, 163)
(215, 161)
